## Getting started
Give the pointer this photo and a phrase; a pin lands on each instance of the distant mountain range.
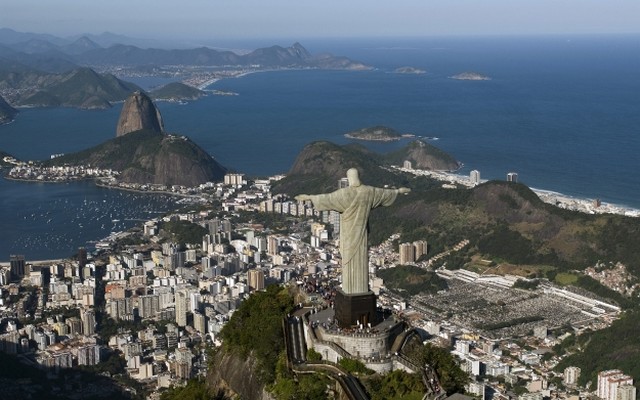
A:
(43, 70)
(33, 50)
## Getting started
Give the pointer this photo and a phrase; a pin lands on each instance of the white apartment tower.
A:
(181, 308)
(571, 375)
(610, 381)
(474, 177)
(626, 392)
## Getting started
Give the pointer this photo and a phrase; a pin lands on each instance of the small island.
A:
(409, 71)
(470, 76)
(377, 133)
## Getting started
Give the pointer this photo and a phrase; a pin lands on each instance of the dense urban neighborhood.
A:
(147, 306)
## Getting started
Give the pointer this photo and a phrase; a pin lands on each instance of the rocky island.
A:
(423, 156)
(377, 133)
(470, 76)
(409, 71)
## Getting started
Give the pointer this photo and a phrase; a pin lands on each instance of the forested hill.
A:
(82, 88)
(504, 222)
(150, 157)
(321, 164)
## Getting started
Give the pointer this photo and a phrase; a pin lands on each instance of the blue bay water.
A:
(562, 112)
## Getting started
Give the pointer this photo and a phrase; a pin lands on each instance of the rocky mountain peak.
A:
(299, 51)
(138, 113)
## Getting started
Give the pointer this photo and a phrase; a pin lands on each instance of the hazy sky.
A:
(207, 19)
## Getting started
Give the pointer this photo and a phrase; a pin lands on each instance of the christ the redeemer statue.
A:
(354, 204)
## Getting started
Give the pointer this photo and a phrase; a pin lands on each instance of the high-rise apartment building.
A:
(148, 305)
(420, 248)
(200, 322)
(234, 179)
(88, 317)
(610, 381)
(256, 279)
(181, 308)
(17, 265)
(474, 177)
(626, 392)
(272, 245)
(89, 354)
(407, 253)
(571, 375)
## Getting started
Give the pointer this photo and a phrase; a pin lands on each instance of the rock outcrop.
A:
(236, 376)
(175, 161)
(139, 113)
(7, 113)
(423, 156)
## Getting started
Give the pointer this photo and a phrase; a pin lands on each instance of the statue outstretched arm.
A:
(303, 197)
(404, 190)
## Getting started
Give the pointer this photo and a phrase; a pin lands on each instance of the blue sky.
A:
(228, 19)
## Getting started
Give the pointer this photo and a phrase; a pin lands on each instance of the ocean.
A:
(562, 112)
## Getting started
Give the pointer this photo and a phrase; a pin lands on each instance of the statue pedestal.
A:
(353, 308)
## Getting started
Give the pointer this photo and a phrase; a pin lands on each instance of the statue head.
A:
(352, 176)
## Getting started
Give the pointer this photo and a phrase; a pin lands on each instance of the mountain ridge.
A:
(111, 49)
(82, 88)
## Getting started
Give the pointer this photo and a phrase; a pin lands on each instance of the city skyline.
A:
(206, 21)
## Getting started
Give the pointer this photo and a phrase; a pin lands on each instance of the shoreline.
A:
(98, 184)
(564, 201)
(38, 262)
(557, 199)
(580, 204)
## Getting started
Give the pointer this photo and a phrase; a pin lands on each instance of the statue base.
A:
(351, 309)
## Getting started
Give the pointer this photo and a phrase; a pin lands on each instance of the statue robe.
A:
(354, 204)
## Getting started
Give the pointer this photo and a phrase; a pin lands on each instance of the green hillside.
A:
(176, 91)
(83, 88)
(504, 222)
(150, 157)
